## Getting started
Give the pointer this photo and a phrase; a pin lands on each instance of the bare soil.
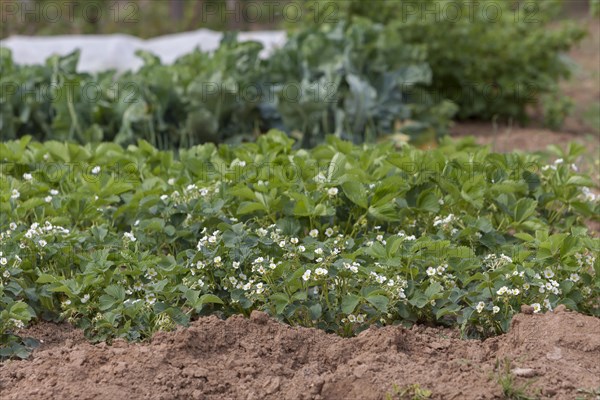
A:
(259, 358)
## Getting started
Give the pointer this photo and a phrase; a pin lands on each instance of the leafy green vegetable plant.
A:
(365, 87)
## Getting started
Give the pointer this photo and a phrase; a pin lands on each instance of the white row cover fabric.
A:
(102, 52)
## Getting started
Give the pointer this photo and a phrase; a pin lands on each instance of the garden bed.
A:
(131, 261)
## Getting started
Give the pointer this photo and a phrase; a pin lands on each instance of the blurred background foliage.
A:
(396, 66)
(149, 18)
(143, 18)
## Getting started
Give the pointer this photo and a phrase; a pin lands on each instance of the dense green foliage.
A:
(123, 242)
(357, 82)
(141, 18)
(404, 68)
(493, 58)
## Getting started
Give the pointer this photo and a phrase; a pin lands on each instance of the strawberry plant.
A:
(123, 242)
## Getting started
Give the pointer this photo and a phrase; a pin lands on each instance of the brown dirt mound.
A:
(259, 358)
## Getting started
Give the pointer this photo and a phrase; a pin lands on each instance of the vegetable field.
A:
(305, 225)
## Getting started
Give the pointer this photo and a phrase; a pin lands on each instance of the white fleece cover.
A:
(102, 52)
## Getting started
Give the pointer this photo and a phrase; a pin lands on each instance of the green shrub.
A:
(556, 109)
(595, 8)
(493, 58)
(124, 242)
